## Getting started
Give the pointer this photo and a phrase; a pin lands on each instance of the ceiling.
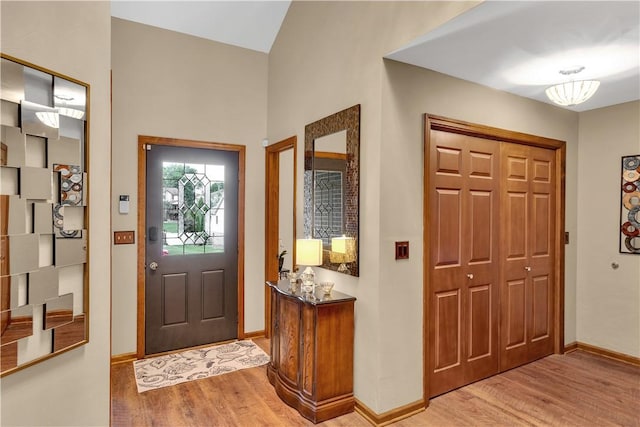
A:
(249, 24)
(513, 46)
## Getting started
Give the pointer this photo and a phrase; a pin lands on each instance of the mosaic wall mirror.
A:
(44, 285)
(332, 188)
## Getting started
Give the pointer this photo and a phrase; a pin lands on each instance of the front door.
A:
(191, 247)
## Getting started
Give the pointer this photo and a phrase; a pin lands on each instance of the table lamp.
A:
(309, 253)
(343, 251)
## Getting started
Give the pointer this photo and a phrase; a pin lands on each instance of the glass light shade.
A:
(49, 118)
(573, 92)
(309, 252)
(71, 112)
(343, 249)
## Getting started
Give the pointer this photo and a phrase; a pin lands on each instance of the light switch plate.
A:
(402, 250)
(123, 237)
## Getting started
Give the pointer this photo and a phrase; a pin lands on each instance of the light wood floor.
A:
(576, 389)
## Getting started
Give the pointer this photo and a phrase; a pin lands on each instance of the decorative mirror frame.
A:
(346, 120)
(44, 214)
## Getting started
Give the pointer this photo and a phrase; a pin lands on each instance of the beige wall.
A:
(328, 56)
(174, 85)
(608, 300)
(72, 38)
(409, 92)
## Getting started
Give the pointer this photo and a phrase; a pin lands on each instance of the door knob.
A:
(527, 268)
(153, 265)
(470, 276)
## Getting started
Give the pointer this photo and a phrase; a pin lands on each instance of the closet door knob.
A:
(527, 268)
(470, 276)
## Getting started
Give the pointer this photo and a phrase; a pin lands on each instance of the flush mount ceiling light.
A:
(64, 103)
(49, 118)
(573, 92)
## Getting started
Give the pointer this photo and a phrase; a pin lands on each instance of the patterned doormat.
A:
(176, 368)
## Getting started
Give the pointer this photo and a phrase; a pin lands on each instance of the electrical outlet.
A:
(123, 237)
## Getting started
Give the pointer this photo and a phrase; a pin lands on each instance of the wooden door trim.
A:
(488, 132)
(271, 213)
(143, 140)
(434, 122)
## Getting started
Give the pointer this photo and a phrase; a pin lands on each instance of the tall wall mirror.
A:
(332, 188)
(44, 296)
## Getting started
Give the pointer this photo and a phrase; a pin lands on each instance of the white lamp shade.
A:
(309, 251)
(343, 249)
(573, 92)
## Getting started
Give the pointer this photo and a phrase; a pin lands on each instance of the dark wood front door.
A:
(464, 260)
(191, 276)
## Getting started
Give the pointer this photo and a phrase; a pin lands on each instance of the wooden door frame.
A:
(271, 215)
(143, 141)
(433, 122)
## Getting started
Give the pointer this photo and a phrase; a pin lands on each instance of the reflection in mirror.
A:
(39, 120)
(36, 155)
(20, 253)
(43, 285)
(43, 217)
(65, 151)
(71, 251)
(331, 187)
(19, 324)
(69, 334)
(13, 146)
(36, 183)
(14, 291)
(12, 81)
(58, 311)
(16, 210)
(9, 181)
(42, 214)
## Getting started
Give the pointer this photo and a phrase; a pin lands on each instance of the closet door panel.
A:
(491, 222)
(540, 321)
(528, 231)
(479, 322)
(541, 236)
(480, 240)
(542, 252)
(448, 330)
(448, 227)
(464, 273)
(515, 309)
(481, 213)
(515, 220)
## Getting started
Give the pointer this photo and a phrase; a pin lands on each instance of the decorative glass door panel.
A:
(193, 208)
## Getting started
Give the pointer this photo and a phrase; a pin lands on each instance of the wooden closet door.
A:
(528, 230)
(464, 269)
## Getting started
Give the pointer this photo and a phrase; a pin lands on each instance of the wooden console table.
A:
(311, 364)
